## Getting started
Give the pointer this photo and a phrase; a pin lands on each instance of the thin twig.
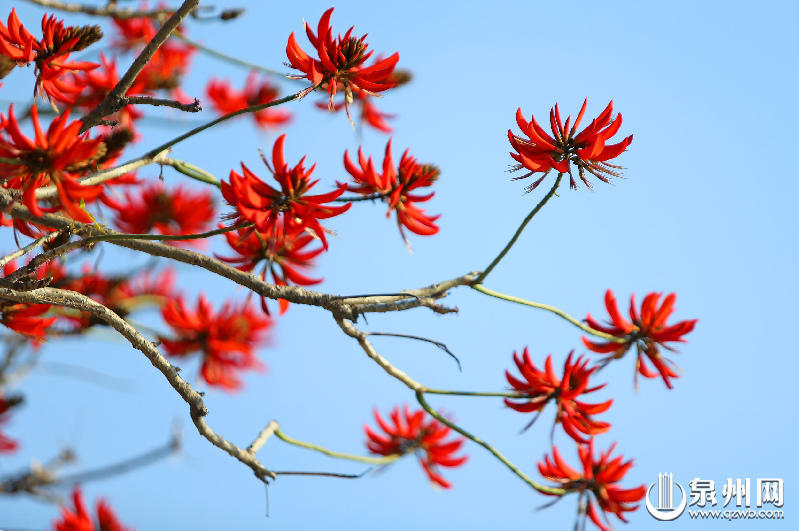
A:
(513, 468)
(103, 11)
(519, 231)
(231, 59)
(262, 437)
(439, 344)
(30, 247)
(557, 311)
(338, 455)
(162, 102)
(228, 116)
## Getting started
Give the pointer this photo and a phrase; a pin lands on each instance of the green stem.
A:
(474, 393)
(537, 486)
(228, 116)
(339, 455)
(519, 231)
(557, 311)
(162, 237)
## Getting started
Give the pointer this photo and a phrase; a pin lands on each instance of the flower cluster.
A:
(647, 331)
(50, 54)
(542, 387)
(596, 480)
(56, 157)
(398, 187)
(225, 99)
(27, 319)
(287, 256)
(174, 212)
(79, 519)
(341, 62)
(7, 445)
(587, 150)
(225, 339)
(276, 211)
(416, 432)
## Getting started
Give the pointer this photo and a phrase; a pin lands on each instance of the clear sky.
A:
(707, 210)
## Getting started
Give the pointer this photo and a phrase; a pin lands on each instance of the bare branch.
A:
(367, 347)
(71, 299)
(103, 11)
(30, 247)
(115, 100)
(260, 440)
(161, 102)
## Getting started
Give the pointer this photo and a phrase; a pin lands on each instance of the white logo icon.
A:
(665, 510)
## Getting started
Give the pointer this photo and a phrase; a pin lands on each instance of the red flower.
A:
(178, 211)
(587, 150)
(55, 157)
(648, 331)
(24, 318)
(544, 386)
(341, 61)
(395, 186)
(225, 99)
(596, 481)
(273, 210)
(166, 69)
(225, 339)
(50, 54)
(285, 255)
(17, 45)
(80, 520)
(7, 445)
(416, 433)
(134, 33)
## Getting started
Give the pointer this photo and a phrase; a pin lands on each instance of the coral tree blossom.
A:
(588, 149)
(647, 330)
(275, 210)
(225, 99)
(286, 255)
(226, 339)
(173, 212)
(7, 445)
(341, 60)
(597, 480)
(79, 519)
(416, 432)
(55, 157)
(23, 318)
(544, 386)
(398, 187)
(50, 54)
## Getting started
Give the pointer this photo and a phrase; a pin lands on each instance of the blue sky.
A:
(707, 210)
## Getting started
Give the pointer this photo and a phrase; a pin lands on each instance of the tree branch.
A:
(115, 100)
(71, 299)
(103, 11)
